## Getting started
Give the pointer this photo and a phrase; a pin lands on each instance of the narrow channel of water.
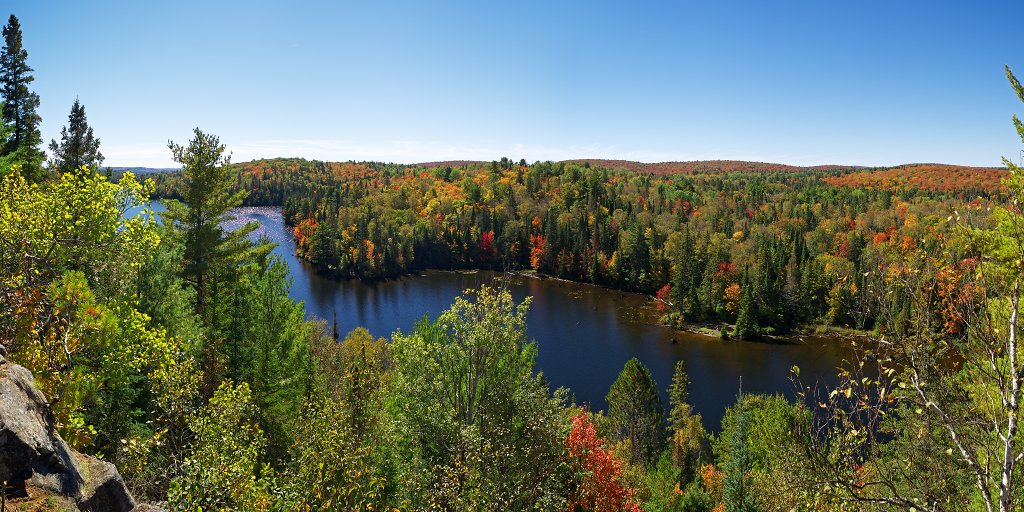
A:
(585, 334)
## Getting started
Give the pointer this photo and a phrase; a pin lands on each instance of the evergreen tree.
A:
(746, 320)
(206, 190)
(635, 411)
(737, 491)
(78, 147)
(678, 394)
(687, 430)
(638, 255)
(682, 277)
(20, 104)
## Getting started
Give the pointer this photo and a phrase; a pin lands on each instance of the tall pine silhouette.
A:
(21, 146)
(78, 146)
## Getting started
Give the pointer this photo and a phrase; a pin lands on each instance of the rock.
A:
(32, 453)
(104, 489)
(28, 444)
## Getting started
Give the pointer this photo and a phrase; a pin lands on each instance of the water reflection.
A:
(585, 334)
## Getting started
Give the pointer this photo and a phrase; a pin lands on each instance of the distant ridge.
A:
(939, 177)
(450, 163)
(703, 166)
(144, 170)
(689, 167)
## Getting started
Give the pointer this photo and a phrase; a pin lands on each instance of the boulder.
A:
(32, 453)
(104, 489)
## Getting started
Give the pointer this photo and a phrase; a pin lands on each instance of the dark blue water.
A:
(584, 334)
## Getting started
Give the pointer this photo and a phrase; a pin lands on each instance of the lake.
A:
(584, 334)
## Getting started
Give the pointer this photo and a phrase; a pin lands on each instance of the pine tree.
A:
(78, 147)
(20, 104)
(635, 411)
(209, 249)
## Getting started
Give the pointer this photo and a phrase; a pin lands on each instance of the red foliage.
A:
(934, 177)
(487, 249)
(725, 269)
(600, 488)
(844, 249)
(662, 296)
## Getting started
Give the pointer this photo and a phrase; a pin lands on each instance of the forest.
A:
(173, 350)
(758, 249)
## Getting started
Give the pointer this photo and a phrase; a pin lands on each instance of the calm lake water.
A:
(584, 334)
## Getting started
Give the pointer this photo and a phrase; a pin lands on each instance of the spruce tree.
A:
(737, 488)
(20, 104)
(678, 394)
(688, 437)
(746, 320)
(78, 147)
(635, 411)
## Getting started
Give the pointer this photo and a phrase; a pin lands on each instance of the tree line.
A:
(764, 251)
(174, 351)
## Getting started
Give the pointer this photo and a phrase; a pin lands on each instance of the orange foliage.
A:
(714, 480)
(700, 167)
(537, 243)
(601, 488)
(302, 231)
(732, 298)
(933, 177)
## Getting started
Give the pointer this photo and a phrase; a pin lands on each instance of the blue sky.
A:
(868, 83)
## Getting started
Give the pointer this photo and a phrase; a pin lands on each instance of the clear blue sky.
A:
(869, 83)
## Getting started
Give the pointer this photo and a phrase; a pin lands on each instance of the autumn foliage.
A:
(600, 486)
(929, 177)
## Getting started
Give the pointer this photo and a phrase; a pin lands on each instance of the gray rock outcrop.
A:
(33, 454)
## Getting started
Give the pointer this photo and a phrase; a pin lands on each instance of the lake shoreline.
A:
(584, 332)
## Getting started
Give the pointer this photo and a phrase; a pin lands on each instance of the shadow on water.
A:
(585, 334)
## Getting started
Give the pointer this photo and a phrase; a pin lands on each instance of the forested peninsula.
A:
(763, 248)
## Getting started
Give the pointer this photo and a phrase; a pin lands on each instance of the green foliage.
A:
(687, 436)
(78, 147)
(210, 254)
(333, 467)
(635, 412)
(268, 347)
(21, 145)
(67, 258)
(482, 431)
(806, 251)
(224, 470)
(163, 295)
(737, 491)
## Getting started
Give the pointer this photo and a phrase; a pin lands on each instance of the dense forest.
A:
(173, 350)
(763, 247)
